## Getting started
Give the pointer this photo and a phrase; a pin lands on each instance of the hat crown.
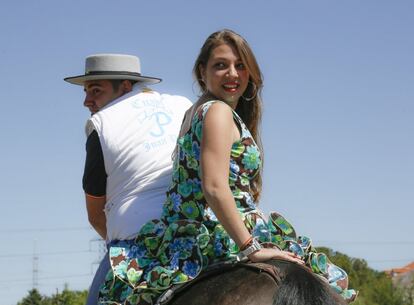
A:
(112, 67)
(112, 63)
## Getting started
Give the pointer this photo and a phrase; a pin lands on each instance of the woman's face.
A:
(225, 75)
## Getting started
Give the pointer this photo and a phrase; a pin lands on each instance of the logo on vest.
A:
(162, 119)
(155, 114)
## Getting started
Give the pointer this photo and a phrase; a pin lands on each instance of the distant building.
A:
(400, 271)
(403, 276)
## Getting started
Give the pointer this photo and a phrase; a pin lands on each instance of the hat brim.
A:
(81, 79)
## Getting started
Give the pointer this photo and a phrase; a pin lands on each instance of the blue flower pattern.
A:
(190, 268)
(176, 201)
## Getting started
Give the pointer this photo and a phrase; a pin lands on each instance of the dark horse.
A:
(277, 282)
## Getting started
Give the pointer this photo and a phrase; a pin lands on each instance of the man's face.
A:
(99, 93)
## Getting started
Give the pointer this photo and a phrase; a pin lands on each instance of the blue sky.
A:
(337, 129)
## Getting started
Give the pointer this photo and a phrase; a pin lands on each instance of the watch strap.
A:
(254, 247)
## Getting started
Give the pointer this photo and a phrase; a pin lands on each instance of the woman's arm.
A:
(219, 133)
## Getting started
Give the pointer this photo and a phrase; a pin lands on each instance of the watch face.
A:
(256, 244)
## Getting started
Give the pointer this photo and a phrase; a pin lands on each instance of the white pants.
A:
(98, 280)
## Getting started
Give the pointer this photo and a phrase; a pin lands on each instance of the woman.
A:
(210, 214)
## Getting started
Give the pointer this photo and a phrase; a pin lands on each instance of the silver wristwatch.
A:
(255, 246)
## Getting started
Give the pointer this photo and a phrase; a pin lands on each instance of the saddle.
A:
(216, 269)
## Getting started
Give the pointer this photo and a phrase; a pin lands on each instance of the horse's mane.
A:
(299, 286)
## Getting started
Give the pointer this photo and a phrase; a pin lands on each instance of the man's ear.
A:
(126, 86)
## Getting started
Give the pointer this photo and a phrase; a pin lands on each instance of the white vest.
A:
(138, 134)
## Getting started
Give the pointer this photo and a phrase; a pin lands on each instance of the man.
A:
(131, 137)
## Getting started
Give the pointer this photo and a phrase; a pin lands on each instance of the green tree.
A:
(69, 297)
(33, 298)
(66, 297)
(375, 288)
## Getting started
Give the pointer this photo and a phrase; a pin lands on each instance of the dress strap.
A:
(203, 108)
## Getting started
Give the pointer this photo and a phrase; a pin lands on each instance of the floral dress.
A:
(188, 237)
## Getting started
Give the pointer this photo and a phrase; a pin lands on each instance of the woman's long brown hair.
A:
(249, 106)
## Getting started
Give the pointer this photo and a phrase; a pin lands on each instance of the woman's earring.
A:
(248, 99)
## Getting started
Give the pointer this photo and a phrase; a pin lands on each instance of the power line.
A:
(391, 260)
(45, 278)
(362, 242)
(318, 242)
(28, 280)
(28, 230)
(45, 254)
(65, 277)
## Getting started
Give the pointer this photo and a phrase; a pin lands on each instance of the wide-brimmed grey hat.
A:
(112, 66)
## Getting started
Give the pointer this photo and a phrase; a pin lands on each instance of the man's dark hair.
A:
(117, 82)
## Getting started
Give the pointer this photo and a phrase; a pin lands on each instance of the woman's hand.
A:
(266, 254)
